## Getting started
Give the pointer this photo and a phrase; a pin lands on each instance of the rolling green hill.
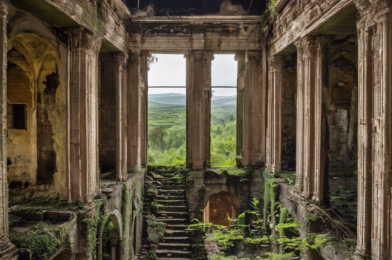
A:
(166, 130)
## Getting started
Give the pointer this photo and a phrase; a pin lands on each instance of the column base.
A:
(8, 250)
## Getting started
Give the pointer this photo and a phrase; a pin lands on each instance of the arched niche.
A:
(219, 209)
(38, 56)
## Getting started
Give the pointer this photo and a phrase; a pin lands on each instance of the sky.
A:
(170, 70)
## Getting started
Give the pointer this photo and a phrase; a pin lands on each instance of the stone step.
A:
(172, 202)
(174, 214)
(170, 186)
(177, 240)
(176, 226)
(173, 220)
(173, 253)
(175, 233)
(173, 197)
(172, 246)
(171, 192)
(167, 258)
(171, 208)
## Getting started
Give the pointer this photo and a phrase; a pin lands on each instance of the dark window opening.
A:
(19, 116)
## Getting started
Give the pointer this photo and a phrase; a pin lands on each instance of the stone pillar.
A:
(144, 108)
(82, 115)
(309, 77)
(381, 138)
(134, 113)
(365, 80)
(254, 110)
(198, 108)
(275, 106)
(321, 129)
(300, 116)
(240, 58)
(113, 243)
(121, 61)
(7, 250)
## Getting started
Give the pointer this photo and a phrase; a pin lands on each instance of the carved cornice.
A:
(80, 38)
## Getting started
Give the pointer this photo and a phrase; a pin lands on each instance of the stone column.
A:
(121, 61)
(309, 77)
(144, 108)
(381, 135)
(240, 58)
(365, 80)
(300, 116)
(7, 250)
(274, 127)
(134, 113)
(321, 191)
(82, 115)
(113, 243)
(198, 108)
(254, 110)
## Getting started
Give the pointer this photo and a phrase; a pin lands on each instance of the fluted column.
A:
(198, 108)
(309, 124)
(121, 64)
(7, 249)
(275, 106)
(321, 128)
(134, 113)
(365, 107)
(300, 116)
(254, 110)
(381, 135)
(144, 107)
(82, 118)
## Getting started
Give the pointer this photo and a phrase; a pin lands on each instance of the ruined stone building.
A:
(314, 129)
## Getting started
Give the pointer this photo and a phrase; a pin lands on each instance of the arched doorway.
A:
(219, 209)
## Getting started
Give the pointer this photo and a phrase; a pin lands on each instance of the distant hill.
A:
(180, 99)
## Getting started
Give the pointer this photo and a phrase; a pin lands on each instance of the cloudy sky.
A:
(170, 71)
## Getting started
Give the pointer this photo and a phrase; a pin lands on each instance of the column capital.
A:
(113, 241)
(252, 56)
(239, 55)
(309, 47)
(121, 60)
(134, 56)
(274, 61)
(4, 7)
(201, 55)
(81, 38)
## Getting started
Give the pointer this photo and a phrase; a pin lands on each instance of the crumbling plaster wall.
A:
(343, 110)
(42, 52)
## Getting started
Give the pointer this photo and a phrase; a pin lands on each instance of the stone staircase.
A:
(173, 211)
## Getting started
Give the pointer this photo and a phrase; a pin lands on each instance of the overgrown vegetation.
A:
(43, 241)
(159, 227)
